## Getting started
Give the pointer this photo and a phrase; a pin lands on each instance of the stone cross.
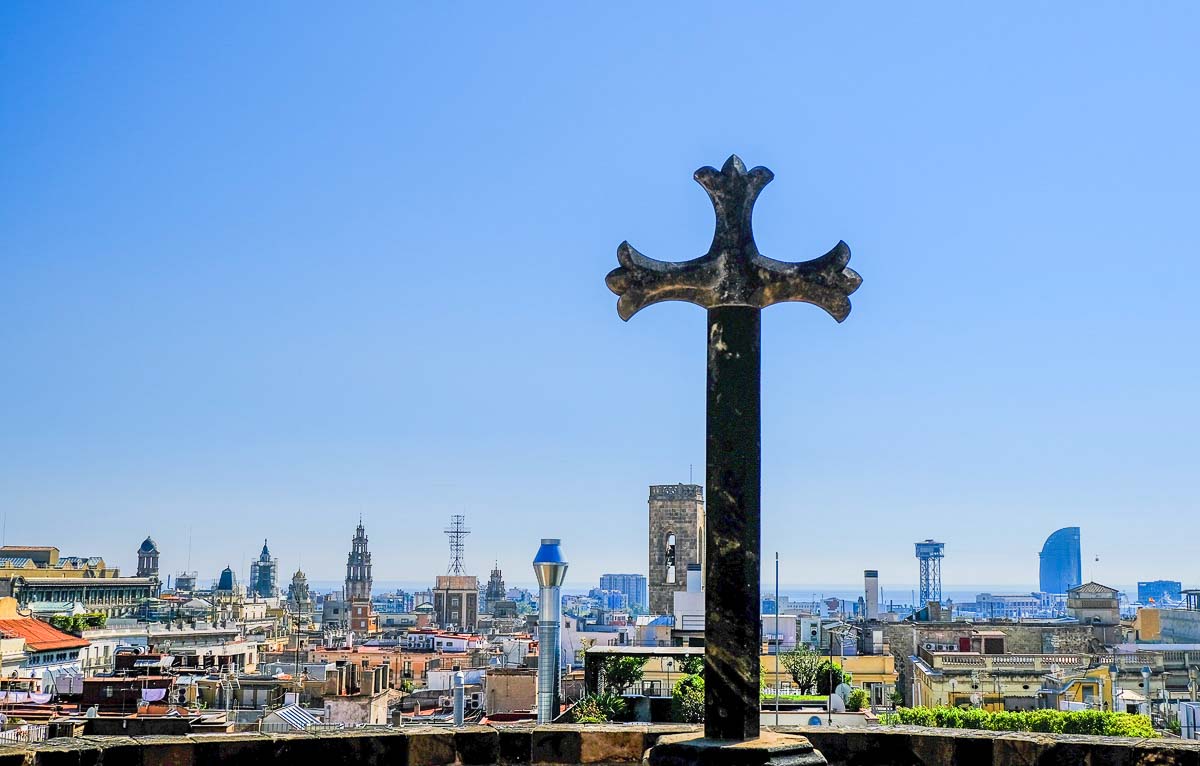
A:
(734, 282)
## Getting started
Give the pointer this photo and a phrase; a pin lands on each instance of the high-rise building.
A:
(632, 585)
(456, 601)
(147, 558)
(1060, 567)
(676, 540)
(264, 574)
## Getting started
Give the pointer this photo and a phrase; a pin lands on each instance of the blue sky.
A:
(264, 269)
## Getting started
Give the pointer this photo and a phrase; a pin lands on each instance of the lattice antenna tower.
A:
(457, 532)
(929, 553)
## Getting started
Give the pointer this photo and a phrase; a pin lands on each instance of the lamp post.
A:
(551, 571)
(669, 665)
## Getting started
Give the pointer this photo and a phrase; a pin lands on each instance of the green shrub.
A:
(687, 700)
(857, 701)
(598, 708)
(1049, 721)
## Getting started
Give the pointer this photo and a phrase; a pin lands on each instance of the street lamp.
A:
(670, 665)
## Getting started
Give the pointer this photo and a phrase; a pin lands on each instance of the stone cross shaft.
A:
(734, 282)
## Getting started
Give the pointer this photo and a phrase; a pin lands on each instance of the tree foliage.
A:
(692, 665)
(76, 624)
(620, 673)
(803, 664)
(829, 676)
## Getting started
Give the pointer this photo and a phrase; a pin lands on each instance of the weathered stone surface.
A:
(612, 744)
(429, 746)
(563, 744)
(230, 749)
(477, 745)
(769, 749)
(167, 751)
(516, 744)
(67, 751)
(734, 281)
(556, 744)
(117, 751)
(733, 272)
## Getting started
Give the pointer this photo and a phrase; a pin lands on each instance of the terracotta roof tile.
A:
(39, 636)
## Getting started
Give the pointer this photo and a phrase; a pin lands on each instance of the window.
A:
(670, 558)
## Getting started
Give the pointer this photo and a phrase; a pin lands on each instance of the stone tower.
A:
(298, 596)
(358, 567)
(495, 588)
(147, 565)
(676, 540)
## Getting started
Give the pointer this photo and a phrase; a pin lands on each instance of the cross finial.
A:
(733, 272)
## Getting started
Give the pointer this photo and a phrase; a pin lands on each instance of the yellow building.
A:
(45, 561)
(38, 574)
(874, 673)
(1031, 681)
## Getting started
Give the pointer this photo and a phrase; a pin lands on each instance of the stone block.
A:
(66, 751)
(12, 756)
(612, 744)
(559, 743)
(118, 751)
(427, 746)
(477, 745)
(247, 749)
(167, 751)
(516, 744)
(769, 749)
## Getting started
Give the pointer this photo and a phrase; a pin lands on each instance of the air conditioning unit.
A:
(445, 702)
(929, 646)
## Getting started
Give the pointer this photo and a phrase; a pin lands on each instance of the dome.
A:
(227, 581)
(148, 546)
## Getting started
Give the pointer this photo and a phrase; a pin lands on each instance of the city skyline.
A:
(263, 272)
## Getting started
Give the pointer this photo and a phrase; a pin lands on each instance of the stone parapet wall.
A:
(561, 744)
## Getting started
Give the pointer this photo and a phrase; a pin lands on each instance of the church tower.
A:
(676, 540)
(147, 562)
(361, 615)
(358, 567)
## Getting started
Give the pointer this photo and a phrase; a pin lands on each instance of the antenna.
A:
(457, 532)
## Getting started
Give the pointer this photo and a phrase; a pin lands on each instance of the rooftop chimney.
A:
(551, 571)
